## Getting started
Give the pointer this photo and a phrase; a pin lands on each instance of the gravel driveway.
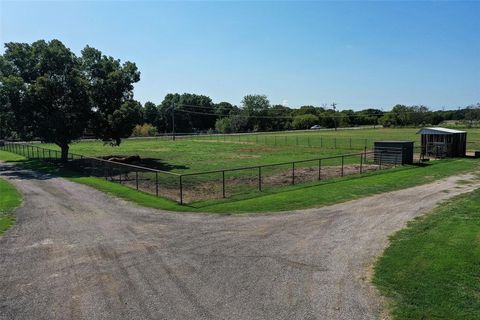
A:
(76, 253)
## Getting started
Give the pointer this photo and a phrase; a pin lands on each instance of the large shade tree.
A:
(47, 92)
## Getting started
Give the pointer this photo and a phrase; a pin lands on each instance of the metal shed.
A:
(443, 142)
(398, 152)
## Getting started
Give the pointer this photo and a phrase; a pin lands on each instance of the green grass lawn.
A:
(213, 153)
(431, 270)
(286, 198)
(200, 155)
(10, 198)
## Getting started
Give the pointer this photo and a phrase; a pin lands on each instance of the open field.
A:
(182, 156)
(209, 155)
(431, 269)
(203, 153)
(349, 139)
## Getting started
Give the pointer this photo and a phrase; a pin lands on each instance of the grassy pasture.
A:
(201, 155)
(208, 153)
(230, 151)
(431, 269)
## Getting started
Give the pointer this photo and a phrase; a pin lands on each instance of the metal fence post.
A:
(380, 160)
(350, 143)
(181, 189)
(342, 164)
(223, 183)
(259, 178)
(361, 162)
(136, 179)
(319, 169)
(156, 184)
(293, 173)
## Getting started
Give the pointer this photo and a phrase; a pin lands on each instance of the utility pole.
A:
(334, 105)
(173, 121)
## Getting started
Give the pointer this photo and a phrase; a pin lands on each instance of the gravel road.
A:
(76, 253)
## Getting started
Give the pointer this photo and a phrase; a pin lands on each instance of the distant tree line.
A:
(194, 113)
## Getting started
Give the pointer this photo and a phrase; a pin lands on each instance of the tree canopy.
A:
(47, 92)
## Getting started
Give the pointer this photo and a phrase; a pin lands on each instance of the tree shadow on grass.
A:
(151, 163)
(158, 164)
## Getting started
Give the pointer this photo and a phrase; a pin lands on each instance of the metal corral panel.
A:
(399, 151)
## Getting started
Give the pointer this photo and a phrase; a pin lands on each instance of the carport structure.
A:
(443, 142)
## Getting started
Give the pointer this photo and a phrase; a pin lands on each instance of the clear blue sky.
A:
(358, 54)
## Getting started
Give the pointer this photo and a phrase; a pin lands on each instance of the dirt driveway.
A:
(76, 253)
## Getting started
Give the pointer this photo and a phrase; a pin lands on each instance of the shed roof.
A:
(439, 130)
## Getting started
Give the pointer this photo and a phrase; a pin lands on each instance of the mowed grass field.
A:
(231, 151)
(431, 269)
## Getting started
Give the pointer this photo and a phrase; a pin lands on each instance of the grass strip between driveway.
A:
(10, 198)
(282, 199)
(431, 270)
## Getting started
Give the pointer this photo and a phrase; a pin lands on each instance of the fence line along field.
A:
(198, 168)
(213, 152)
(329, 139)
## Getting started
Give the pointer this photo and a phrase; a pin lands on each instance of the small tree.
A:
(110, 88)
(150, 113)
(224, 125)
(304, 121)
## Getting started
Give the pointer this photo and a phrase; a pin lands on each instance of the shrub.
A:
(144, 130)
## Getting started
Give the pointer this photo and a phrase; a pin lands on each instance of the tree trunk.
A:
(64, 147)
